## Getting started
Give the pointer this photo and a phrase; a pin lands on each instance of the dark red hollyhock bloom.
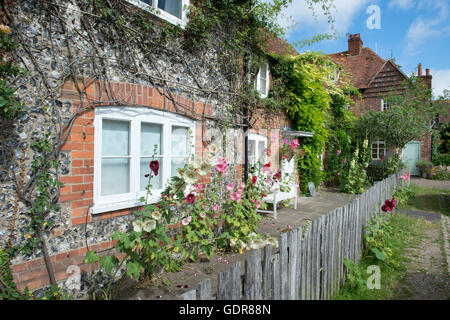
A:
(254, 178)
(154, 165)
(190, 198)
(277, 176)
(384, 208)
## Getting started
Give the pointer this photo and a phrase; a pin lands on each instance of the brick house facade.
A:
(86, 222)
(374, 76)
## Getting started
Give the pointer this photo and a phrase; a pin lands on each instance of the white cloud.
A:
(343, 14)
(422, 30)
(402, 4)
(440, 81)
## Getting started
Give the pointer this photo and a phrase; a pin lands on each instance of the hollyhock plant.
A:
(266, 167)
(230, 187)
(221, 165)
(154, 165)
(338, 152)
(190, 198)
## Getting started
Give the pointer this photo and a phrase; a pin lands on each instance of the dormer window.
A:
(262, 80)
(173, 11)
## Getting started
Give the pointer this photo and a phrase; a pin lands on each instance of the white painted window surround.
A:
(123, 146)
(173, 11)
(384, 105)
(262, 80)
(378, 149)
(257, 148)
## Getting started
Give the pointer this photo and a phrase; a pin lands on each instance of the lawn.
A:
(426, 199)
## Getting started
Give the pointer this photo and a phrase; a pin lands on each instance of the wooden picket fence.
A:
(309, 264)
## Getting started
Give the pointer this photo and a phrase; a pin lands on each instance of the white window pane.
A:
(115, 176)
(145, 168)
(115, 138)
(251, 148)
(180, 142)
(150, 135)
(261, 149)
(171, 6)
(176, 163)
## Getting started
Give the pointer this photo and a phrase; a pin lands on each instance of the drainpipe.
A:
(246, 123)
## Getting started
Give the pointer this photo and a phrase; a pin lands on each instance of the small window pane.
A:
(150, 135)
(145, 168)
(251, 148)
(176, 163)
(261, 149)
(115, 176)
(171, 6)
(180, 141)
(115, 138)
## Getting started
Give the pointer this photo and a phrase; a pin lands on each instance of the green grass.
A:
(407, 232)
(426, 199)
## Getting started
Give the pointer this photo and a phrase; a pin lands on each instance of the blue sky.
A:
(411, 31)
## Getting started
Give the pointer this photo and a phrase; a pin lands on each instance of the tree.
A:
(411, 116)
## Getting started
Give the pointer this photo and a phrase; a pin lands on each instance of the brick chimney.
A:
(427, 77)
(354, 44)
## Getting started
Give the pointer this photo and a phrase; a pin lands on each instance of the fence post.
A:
(267, 270)
(292, 273)
(253, 276)
(204, 289)
(283, 265)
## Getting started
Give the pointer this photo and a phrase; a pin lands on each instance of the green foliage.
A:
(377, 241)
(442, 174)
(410, 117)
(424, 167)
(403, 194)
(10, 106)
(379, 170)
(441, 159)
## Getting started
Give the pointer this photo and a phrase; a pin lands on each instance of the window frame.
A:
(378, 142)
(258, 80)
(257, 138)
(164, 14)
(136, 116)
(383, 104)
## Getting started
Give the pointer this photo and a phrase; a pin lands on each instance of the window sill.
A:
(108, 207)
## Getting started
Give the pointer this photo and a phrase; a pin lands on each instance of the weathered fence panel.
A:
(310, 261)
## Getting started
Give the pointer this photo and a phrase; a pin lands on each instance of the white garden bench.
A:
(276, 196)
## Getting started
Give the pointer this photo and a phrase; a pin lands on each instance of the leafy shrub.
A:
(441, 159)
(424, 167)
(442, 174)
(379, 170)
(403, 194)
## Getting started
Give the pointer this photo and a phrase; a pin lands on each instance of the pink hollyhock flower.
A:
(190, 198)
(215, 207)
(186, 221)
(338, 173)
(266, 167)
(254, 200)
(338, 152)
(230, 187)
(254, 178)
(234, 195)
(203, 215)
(286, 141)
(154, 165)
(284, 156)
(345, 160)
(241, 188)
(258, 204)
(221, 165)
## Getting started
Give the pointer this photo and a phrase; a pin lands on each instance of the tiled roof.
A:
(361, 68)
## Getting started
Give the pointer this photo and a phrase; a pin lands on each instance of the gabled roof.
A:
(363, 68)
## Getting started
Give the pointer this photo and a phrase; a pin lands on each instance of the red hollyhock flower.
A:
(190, 198)
(254, 178)
(384, 208)
(154, 165)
